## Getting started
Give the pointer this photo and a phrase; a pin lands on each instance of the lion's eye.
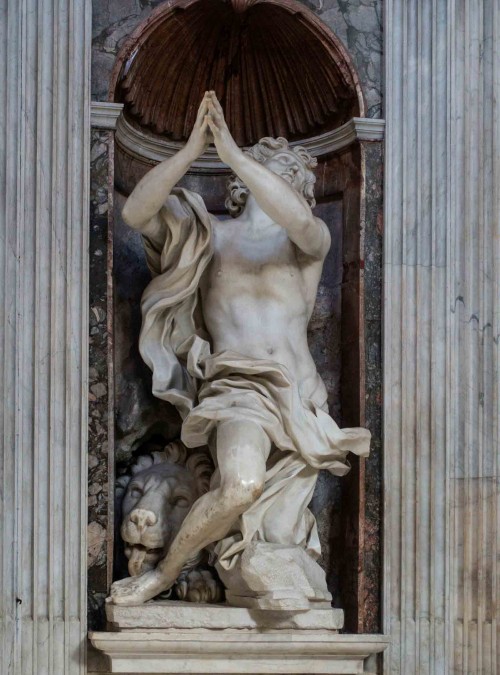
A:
(135, 492)
(180, 501)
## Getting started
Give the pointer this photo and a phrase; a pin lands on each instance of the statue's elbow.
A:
(131, 217)
(127, 216)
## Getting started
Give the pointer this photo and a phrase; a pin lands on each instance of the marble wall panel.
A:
(441, 325)
(44, 166)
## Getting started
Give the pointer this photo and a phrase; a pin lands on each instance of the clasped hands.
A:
(211, 127)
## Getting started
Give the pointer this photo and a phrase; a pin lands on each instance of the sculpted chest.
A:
(238, 253)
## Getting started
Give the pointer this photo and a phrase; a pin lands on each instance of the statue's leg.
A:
(242, 452)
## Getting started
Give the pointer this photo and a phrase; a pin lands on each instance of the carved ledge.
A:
(235, 651)
(175, 637)
(152, 149)
(104, 115)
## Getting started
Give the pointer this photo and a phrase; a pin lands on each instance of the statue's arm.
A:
(274, 195)
(283, 204)
(151, 192)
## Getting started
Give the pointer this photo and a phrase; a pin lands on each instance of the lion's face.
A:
(155, 503)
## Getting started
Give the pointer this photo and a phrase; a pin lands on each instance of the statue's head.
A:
(294, 164)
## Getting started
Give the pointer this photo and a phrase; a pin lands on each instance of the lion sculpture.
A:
(155, 499)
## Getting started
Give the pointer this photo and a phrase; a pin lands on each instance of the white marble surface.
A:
(167, 614)
(441, 328)
(104, 114)
(44, 168)
(274, 576)
(231, 652)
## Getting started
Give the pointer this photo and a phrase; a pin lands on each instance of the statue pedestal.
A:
(176, 637)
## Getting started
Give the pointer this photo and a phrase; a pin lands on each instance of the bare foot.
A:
(136, 590)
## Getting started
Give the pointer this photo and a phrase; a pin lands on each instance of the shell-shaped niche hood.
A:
(276, 68)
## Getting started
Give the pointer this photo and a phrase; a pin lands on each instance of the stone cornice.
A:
(228, 651)
(356, 129)
(104, 115)
(152, 149)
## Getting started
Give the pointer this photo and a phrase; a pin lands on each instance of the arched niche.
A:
(275, 67)
(160, 75)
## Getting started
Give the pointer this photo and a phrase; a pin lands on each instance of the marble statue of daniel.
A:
(225, 335)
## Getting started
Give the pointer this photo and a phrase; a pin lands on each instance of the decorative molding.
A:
(44, 225)
(368, 129)
(442, 334)
(356, 129)
(152, 149)
(228, 651)
(104, 115)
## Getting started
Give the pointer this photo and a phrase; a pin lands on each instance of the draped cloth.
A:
(208, 389)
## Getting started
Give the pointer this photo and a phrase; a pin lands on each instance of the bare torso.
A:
(258, 294)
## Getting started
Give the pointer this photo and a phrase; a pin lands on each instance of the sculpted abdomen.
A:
(257, 298)
(263, 316)
(268, 300)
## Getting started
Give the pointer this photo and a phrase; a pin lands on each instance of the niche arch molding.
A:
(342, 149)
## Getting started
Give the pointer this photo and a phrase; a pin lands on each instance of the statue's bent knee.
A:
(240, 494)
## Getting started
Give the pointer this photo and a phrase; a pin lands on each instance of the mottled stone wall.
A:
(357, 175)
(370, 480)
(358, 23)
(100, 431)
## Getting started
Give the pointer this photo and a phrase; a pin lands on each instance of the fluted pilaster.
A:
(442, 334)
(44, 160)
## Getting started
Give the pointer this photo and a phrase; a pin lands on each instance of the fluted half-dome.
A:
(275, 67)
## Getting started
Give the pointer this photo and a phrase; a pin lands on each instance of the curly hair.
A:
(262, 151)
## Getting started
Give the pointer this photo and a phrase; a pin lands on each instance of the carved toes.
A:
(199, 586)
